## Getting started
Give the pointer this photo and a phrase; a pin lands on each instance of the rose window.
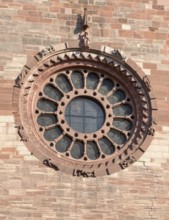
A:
(84, 113)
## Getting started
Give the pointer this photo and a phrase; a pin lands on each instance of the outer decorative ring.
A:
(59, 58)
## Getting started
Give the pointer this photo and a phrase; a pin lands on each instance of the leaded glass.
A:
(63, 144)
(63, 83)
(117, 96)
(77, 79)
(84, 115)
(107, 86)
(106, 146)
(122, 124)
(92, 80)
(122, 110)
(52, 92)
(77, 150)
(46, 119)
(52, 133)
(92, 150)
(46, 105)
(117, 136)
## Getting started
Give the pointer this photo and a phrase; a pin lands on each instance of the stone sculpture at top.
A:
(84, 36)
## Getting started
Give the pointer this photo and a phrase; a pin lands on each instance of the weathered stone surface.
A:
(28, 189)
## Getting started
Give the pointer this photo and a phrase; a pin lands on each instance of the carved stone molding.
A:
(84, 35)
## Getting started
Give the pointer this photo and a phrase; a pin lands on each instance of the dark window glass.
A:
(106, 86)
(84, 115)
(77, 79)
(52, 92)
(117, 96)
(106, 146)
(122, 124)
(92, 150)
(77, 150)
(46, 120)
(122, 110)
(92, 81)
(46, 105)
(63, 83)
(52, 133)
(63, 144)
(117, 136)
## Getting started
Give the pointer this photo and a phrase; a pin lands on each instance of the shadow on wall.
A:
(79, 24)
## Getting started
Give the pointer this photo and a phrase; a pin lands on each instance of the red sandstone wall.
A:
(29, 190)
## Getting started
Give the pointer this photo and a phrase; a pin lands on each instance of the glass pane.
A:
(46, 105)
(63, 144)
(46, 120)
(117, 96)
(52, 133)
(117, 136)
(52, 92)
(63, 83)
(77, 79)
(84, 115)
(77, 150)
(92, 81)
(122, 110)
(106, 146)
(92, 151)
(107, 86)
(122, 124)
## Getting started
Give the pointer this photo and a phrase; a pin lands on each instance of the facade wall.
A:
(28, 190)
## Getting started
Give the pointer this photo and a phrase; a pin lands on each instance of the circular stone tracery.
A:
(85, 114)
(109, 134)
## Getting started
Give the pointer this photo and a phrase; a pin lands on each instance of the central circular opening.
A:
(84, 115)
